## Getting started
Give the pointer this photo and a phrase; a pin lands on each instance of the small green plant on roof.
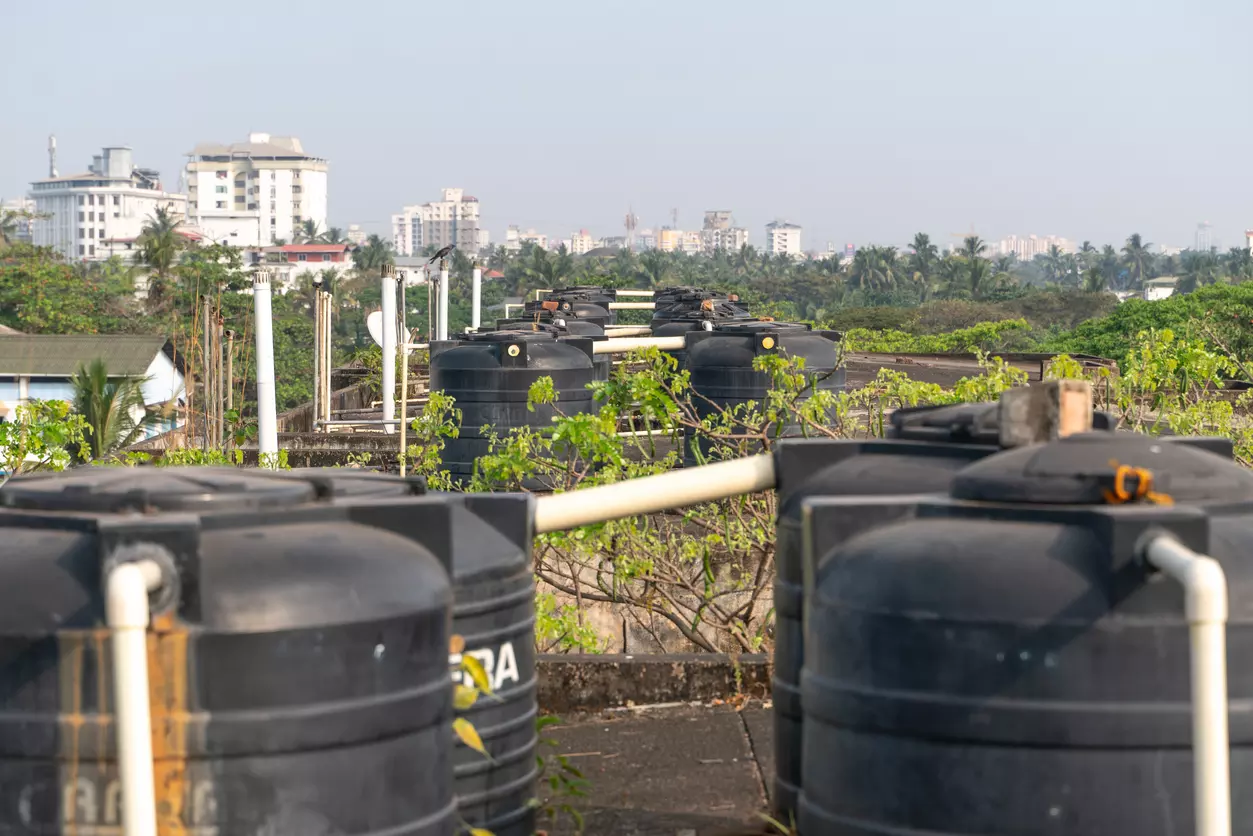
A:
(440, 419)
(43, 437)
(564, 781)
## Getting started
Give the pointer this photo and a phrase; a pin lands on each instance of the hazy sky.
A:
(861, 121)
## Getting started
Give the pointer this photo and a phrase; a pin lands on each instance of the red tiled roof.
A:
(309, 248)
(493, 274)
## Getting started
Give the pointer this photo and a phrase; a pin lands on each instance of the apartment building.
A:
(113, 199)
(255, 193)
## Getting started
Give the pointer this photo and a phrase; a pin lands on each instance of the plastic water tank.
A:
(1004, 661)
(677, 303)
(926, 448)
(559, 326)
(723, 377)
(298, 655)
(489, 552)
(584, 302)
(490, 375)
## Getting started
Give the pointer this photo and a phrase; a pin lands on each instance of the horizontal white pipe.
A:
(1205, 605)
(126, 612)
(628, 331)
(619, 346)
(649, 494)
(648, 293)
(632, 306)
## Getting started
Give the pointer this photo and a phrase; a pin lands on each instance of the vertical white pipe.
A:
(476, 297)
(317, 355)
(126, 612)
(267, 411)
(389, 346)
(404, 374)
(443, 300)
(1205, 603)
(328, 354)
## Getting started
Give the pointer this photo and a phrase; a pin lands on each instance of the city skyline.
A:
(990, 114)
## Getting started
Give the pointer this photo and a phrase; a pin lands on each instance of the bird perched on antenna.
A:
(441, 254)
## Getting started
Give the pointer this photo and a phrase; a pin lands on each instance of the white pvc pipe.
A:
(476, 296)
(267, 409)
(628, 331)
(443, 303)
(632, 306)
(648, 293)
(389, 345)
(126, 612)
(1205, 605)
(649, 494)
(619, 346)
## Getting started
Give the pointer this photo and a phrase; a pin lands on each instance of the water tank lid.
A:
(756, 326)
(509, 336)
(101, 489)
(962, 423)
(1081, 469)
(339, 483)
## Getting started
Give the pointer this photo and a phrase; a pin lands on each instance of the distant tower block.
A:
(1248, 239)
(632, 221)
(52, 155)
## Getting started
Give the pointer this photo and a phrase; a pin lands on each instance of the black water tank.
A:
(299, 655)
(569, 308)
(677, 303)
(489, 376)
(926, 448)
(1006, 661)
(584, 302)
(559, 326)
(723, 378)
(494, 614)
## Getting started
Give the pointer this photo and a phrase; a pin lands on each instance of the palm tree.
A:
(1094, 280)
(1053, 263)
(1087, 255)
(1110, 266)
(1137, 257)
(1239, 264)
(874, 269)
(308, 233)
(334, 235)
(159, 246)
(654, 268)
(922, 262)
(113, 408)
(373, 254)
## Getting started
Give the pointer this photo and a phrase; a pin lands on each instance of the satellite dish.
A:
(374, 324)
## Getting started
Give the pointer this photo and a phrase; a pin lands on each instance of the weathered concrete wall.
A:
(590, 683)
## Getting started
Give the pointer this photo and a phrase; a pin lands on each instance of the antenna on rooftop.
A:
(52, 155)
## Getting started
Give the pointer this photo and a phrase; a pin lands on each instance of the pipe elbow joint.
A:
(1206, 592)
(126, 598)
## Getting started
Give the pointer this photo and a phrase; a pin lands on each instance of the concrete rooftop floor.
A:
(676, 770)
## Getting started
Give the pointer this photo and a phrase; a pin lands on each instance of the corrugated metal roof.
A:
(60, 355)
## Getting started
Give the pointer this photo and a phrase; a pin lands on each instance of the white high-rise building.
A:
(515, 238)
(111, 201)
(251, 194)
(783, 238)
(1029, 246)
(582, 242)
(454, 219)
